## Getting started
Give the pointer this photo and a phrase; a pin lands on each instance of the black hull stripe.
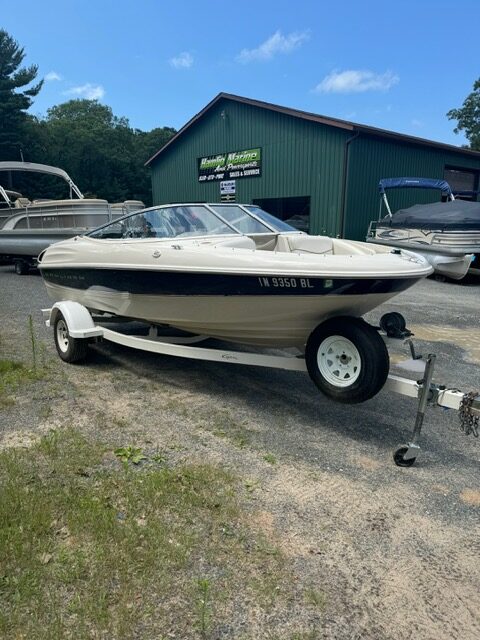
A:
(210, 284)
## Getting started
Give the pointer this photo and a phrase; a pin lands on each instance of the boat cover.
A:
(454, 215)
(415, 183)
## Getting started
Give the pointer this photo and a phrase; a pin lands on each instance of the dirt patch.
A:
(466, 339)
(470, 497)
(368, 464)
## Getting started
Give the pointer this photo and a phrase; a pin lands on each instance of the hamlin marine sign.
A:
(230, 166)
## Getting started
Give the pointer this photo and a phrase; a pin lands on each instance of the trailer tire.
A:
(347, 359)
(21, 267)
(69, 349)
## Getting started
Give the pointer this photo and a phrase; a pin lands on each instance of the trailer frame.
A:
(82, 326)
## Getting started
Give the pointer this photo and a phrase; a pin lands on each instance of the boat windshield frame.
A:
(269, 227)
(210, 207)
(248, 208)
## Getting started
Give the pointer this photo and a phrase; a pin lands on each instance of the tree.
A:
(146, 143)
(92, 145)
(468, 117)
(101, 152)
(14, 102)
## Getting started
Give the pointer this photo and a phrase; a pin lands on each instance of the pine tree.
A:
(13, 101)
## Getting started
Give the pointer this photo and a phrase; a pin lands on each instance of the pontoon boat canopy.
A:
(41, 168)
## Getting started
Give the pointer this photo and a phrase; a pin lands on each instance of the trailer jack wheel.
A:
(400, 459)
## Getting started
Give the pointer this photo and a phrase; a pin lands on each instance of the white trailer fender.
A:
(80, 323)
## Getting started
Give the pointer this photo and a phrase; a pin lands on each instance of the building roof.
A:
(313, 117)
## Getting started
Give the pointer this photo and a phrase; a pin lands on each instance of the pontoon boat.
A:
(28, 227)
(447, 233)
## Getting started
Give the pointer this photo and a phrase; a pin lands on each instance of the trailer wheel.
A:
(21, 267)
(398, 458)
(347, 359)
(69, 349)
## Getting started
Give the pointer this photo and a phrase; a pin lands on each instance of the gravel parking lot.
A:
(394, 551)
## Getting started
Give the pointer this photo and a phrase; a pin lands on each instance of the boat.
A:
(224, 270)
(446, 233)
(235, 273)
(28, 227)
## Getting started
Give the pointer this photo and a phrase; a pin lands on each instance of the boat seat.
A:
(242, 242)
(21, 202)
(282, 244)
(305, 244)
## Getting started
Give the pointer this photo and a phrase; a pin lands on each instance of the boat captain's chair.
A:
(304, 244)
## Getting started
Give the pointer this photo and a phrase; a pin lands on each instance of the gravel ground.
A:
(394, 551)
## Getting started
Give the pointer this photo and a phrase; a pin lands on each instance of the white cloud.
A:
(53, 75)
(184, 60)
(88, 91)
(277, 43)
(356, 81)
(417, 123)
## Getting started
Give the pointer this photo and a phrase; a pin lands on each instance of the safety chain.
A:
(468, 421)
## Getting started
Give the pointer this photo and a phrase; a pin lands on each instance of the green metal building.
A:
(320, 174)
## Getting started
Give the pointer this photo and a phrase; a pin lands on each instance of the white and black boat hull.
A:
(261, 310)
(238, 293)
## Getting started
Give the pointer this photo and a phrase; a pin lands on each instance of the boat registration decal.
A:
(287, 283)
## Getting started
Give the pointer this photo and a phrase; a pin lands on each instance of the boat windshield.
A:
(272, 221)
(166, 222)
(240, 219)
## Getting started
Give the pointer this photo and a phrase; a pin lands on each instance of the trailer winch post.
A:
(406, 454)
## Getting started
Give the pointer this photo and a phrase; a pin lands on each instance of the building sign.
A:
(230, 166)
(227, 188)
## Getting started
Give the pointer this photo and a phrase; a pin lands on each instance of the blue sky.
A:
(398, 66)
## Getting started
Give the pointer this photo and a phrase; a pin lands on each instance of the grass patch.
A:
(12, 375)
(316, 598)
(90, 549)
(224, 425)
(270, 458)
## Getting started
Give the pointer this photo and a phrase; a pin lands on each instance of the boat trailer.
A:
(80, 325)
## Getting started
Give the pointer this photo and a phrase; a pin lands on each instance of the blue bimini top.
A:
(414, 183)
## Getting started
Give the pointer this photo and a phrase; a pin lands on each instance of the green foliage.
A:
(204, 612)
(103, 154)
(468, 117)
(13, 101)
(130, 454)
(270, 458)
